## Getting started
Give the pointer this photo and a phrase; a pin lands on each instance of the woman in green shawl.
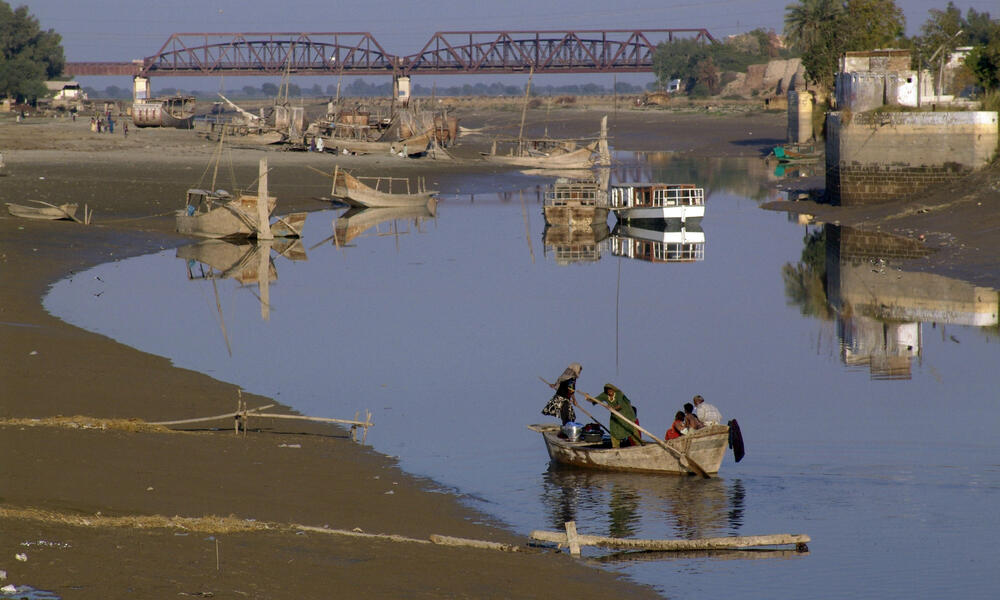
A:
(623, 433)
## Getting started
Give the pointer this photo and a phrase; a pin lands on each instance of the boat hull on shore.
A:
(706, 446)
(44, 212)
(354, 192)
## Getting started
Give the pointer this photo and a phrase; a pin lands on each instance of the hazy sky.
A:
(123, 30)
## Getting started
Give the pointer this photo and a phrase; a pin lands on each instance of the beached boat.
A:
(218, 214)
(706, 446)
(173, 111)
(659, 241)
(576, 203)
(657, 201)
(44, 211)
(545, 154)
(412, 146)
(384, 191)
(796, 153)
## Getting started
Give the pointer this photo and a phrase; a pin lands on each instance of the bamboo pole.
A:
(686, 461)
(716, 543)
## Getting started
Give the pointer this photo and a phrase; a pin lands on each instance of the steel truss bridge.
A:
(359, 53)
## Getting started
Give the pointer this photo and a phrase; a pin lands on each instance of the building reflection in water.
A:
(879, 308)
(613, 504)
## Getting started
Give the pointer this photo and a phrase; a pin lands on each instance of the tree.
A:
(946, 30)
(28, 55)
(701, 64)
(823, 30)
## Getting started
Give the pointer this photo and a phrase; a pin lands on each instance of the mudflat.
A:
(102, 506)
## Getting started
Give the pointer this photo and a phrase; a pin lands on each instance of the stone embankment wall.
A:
(875, 157)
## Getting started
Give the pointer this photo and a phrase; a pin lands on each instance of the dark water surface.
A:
(872, 429)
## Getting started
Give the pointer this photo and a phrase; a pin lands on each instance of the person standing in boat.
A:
(561, 403)
(707, 413)
(623, 432)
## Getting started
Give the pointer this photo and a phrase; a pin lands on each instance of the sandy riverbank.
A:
(282, 474)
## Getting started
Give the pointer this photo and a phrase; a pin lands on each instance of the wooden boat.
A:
(217, 214)
(356, 192)
(706, 446)
(796, 153)
(411, 146)
(173, 111)
(576, 203)
(657, 201)
(554, 158)
(44, 211)
(672, 241)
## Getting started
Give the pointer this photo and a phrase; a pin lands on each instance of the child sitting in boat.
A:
(677, 429)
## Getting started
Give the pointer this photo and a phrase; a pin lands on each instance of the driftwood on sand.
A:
(574, 541)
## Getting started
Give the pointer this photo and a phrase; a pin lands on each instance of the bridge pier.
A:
(401, 89)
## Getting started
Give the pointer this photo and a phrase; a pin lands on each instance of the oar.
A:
(686, 461)
(582, 409)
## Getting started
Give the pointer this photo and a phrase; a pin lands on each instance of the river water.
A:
(866, 391)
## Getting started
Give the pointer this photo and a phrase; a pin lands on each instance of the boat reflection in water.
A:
(878, 307)
(575, 244)
(245, 261)
(666, 241)
(613, 504)
(355, 221)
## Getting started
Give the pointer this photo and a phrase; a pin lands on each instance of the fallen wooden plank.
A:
(445, 540)
(782, 539)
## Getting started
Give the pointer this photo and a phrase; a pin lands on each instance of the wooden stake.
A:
(572, 539)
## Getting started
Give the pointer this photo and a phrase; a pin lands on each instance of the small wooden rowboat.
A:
(356, 192)
(706, 446)
(44, 211)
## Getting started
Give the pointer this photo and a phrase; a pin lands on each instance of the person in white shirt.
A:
(707, 413)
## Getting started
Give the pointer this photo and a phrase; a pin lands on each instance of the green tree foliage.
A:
(823, 30)
(805, 282)
(947, 29)
(700, 65)
(28, 55)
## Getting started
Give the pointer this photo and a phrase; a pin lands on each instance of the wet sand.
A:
(281, 473)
